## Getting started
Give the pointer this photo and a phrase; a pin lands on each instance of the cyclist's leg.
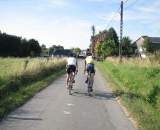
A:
(68, 74)
(67, 78)
(73, 73)
(92, 80)
(88, 69)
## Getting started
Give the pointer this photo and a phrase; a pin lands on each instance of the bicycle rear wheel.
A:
(90, 83)
(69, 90)
(70, 84)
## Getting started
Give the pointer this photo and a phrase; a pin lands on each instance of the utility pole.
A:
(92, 40)
(93, 30)
(121, 32)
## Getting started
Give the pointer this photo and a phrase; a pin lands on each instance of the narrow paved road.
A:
(54, 109)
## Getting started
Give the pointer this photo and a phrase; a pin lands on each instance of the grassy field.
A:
(22, 78)
(138, 85)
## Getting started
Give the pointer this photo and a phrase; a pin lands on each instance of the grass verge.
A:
(139, 89)
(15, 99)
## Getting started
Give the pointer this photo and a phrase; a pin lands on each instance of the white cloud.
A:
(148, 10)
(64, 31)
(59, 3)
(96, 0)
(152, 8)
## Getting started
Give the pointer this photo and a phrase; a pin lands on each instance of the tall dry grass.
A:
(16, 72)
(10, 67)
(151, 61)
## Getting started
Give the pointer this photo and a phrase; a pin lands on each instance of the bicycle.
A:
(70, 83)
(90, 82)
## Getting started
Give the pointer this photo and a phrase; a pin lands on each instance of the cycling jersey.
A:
(89, 60)
(90, 64)
(71, 61)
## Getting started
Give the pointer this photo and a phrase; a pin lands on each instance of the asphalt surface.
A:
(54, 109)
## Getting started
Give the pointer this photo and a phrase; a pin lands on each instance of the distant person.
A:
(71, 67)
(89, 64)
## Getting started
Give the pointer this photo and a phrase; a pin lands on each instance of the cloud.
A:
(150, 7)
(63, 31)
(148, 10)
(59, 3)
(96, 0)
(51, 23)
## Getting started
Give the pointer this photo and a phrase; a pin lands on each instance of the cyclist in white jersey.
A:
(72, 66)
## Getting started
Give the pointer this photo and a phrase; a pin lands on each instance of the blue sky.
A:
(68, 22)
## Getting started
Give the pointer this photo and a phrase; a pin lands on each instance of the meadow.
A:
(137, 83)
(21, 78)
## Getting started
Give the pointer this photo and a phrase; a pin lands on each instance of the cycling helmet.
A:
(88, 53)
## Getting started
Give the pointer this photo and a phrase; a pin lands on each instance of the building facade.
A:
(138, 45)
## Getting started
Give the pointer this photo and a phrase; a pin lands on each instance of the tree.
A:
(76, 50)
(108, 48)
(34, 47)
(98, 49)
(43, 47)
(147, 45)
(59, 47)
(16, 46)
(126, 48)
(25, 50)
(54, 48)
(112, 35)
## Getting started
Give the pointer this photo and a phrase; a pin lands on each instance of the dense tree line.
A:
(110, 46)
(11, 45)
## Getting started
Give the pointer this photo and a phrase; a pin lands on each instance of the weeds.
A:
(138, 84)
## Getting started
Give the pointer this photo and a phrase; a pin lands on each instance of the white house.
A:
(137, 45)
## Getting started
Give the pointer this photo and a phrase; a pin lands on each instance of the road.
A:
(54, 109)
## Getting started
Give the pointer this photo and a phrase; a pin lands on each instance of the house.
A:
(137, 45)
(62, 53)
(97, 39)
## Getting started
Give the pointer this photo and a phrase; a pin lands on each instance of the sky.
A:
(68, 22)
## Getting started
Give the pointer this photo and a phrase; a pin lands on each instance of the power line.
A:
(131, 4)
(118, 11)
(125, 1)
(112, 18)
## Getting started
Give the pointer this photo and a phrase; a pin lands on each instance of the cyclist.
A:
(71, 66)
(89, 64)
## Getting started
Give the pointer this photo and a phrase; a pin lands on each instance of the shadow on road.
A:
(24, 118)
(96, 94)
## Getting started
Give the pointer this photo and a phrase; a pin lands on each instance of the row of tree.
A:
(15, 46)
(51, 50)
(11, 45)
(110, 46)
(54, 48)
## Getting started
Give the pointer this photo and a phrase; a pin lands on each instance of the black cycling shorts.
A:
(71, 68)
(90, 68)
